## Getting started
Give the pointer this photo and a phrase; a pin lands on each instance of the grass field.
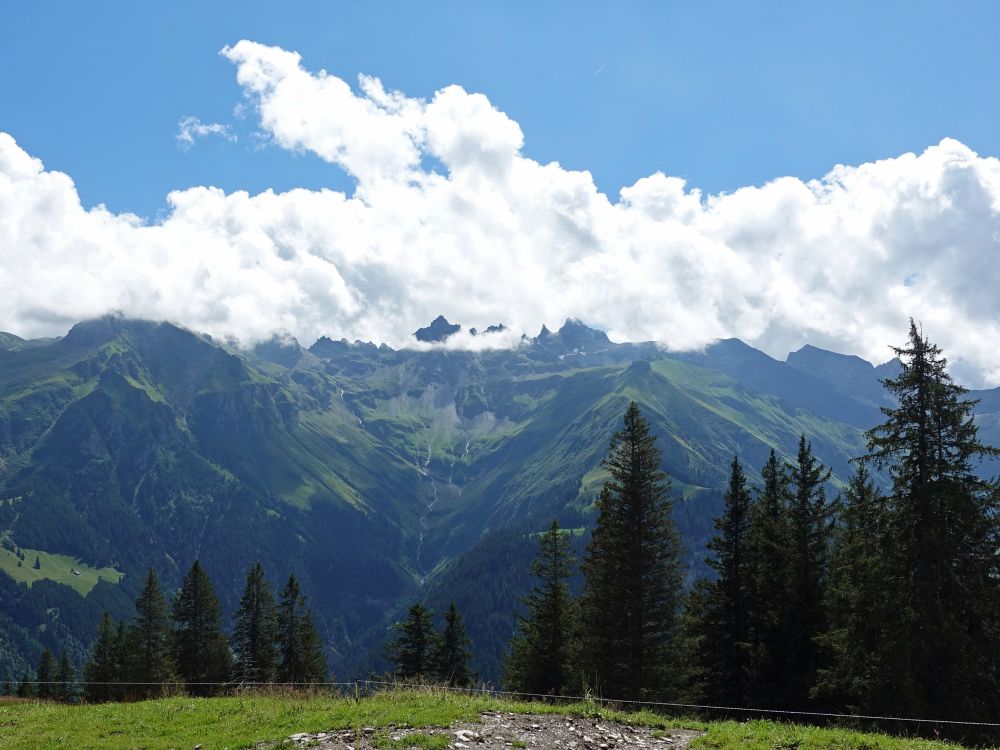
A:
(58, 568)
(243, 722)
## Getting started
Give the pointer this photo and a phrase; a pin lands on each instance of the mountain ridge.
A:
(366, 471)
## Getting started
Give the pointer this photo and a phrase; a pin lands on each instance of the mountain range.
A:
(376, 476)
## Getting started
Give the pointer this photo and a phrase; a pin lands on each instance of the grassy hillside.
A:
(245, 722)
(69, 571)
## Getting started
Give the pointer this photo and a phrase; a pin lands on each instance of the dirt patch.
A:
(502, 731)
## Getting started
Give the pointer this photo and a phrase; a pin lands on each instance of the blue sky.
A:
(366, 213)
(723, 94)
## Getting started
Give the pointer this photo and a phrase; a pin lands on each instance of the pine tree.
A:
(944, 523)
(412, 651)
(66, 678)
(859, 602)
(768, 544)
(201, 651)
(46, 675)
(452, 657)
(717, 615)
(539, 660)
(24, 687)
(299, 644)
(146, 645)
(102, 669)
(810, 526)
(255, 631)
(632, 571)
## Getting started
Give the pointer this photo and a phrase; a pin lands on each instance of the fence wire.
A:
(367, 685)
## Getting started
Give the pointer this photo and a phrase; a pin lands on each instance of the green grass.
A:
(243, 722)
(58, 568)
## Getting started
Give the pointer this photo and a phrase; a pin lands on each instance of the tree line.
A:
(165, 650)
(878, 600)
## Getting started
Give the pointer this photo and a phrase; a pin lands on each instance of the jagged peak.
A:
(439, 330)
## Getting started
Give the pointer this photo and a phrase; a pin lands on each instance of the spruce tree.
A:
(24, 687)
(412, 651)
(47, 674)
(299, 644)
(102, 669)
(768, 544)
(452, 658)
(857, 672)
(255, 631)
(539, 660)
(201, 651)
(66, 678)
(717, 616)
(810, 527)
(944, 523)
(146, 646)
(632, 571)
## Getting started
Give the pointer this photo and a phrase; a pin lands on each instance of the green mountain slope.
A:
(376, 476)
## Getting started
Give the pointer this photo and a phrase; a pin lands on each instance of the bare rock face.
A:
(502, 731)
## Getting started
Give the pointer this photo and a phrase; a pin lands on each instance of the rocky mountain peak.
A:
(439, 330)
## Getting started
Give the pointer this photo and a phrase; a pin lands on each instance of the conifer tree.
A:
(941, 643)
(810, 527)
(539, 660)
(632, 571)
(146, 646)
(24, 687)
(299, 644)
(859, 602)
(102, 669)
(66, 678)
(47, 674)
(412, 651)
(768, 544)
(717, 616)
(255, 632)
(201, 651)
(452, 657)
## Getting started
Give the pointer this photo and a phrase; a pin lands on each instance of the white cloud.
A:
(450, 217)
(189, 129)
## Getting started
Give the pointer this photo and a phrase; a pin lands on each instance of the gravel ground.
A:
(507, 730)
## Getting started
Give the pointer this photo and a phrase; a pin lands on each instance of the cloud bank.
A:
(448, 216)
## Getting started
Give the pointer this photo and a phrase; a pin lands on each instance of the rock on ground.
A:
(501, 731)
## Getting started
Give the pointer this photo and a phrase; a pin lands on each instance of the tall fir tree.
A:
(632, 571)
(943, 520)
(540, 653)
(810, 527)
(255, 632)
(768, 543)
(860, 602)
(102, 671)
(299, 646)
(201, 651)
(717, 615)
(47, 676)
(146, 645)
(24, 687)
(412, 650)
(66, 679)
(452, 659)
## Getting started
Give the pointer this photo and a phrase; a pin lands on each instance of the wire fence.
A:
(366, 687)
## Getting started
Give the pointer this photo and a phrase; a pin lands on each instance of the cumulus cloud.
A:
(448, 216)
(190, 128)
